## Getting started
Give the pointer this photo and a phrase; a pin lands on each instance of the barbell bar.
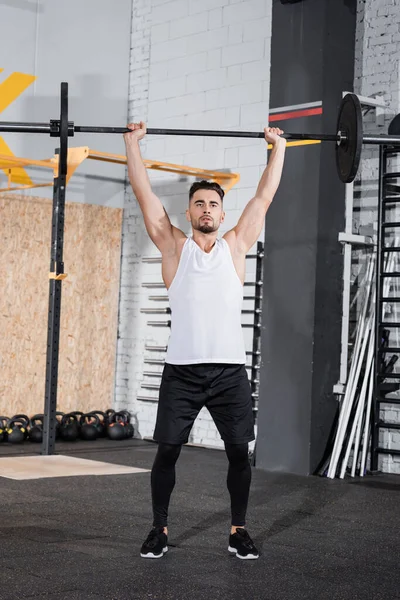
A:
(17, 127)
(47, 128)
(339, 138)
(348, 139)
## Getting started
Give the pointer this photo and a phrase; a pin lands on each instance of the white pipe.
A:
(357, 425)
(359, 334)
(366, 435)
(362, 283)
(346, 408)
(360, 406)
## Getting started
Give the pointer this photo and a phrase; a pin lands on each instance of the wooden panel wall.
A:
(89, 307)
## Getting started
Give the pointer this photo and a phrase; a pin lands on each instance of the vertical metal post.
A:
(56, 269)
(256, 350)
(380, 243)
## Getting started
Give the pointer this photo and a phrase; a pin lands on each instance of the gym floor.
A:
(79, 537)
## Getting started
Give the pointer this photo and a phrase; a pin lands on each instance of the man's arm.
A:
(251, 222)
(158, 225)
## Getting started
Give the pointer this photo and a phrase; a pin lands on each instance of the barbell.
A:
(348, 138)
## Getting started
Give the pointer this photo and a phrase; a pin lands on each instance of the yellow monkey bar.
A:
(77, 155)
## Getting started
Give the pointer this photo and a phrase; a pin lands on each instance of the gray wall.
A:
(86, 44)
(312, 59)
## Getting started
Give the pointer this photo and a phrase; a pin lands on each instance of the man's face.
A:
(205, 211)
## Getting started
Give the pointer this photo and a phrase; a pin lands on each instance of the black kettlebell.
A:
(100, 426)
(116, 429)
(69, 429)
(26, 427)
(129, 427)
(109, 417)
(88, 423)
(122, 418)
(58, 424)
(78, 414)
(36, 429)
(16, 429)
(3, 425)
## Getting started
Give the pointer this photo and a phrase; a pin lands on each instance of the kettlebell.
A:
(36, 429)
(129, 427)
(88, 423)
(109, 417)
(58, 424)
(16, 430)
(121, 417)
(3, 425)
(26, 426)
(69, 429)
(100, 426)
(78, 414)
(116, 429)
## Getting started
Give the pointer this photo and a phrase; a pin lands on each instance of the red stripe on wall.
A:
(296, 114)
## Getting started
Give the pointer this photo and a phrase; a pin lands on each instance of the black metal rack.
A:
(388, 197)
(256, 355)
(56, 277)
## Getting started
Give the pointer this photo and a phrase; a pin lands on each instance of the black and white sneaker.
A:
(156, 544)
(241, 544)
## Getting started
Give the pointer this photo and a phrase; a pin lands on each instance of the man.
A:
(205, 362)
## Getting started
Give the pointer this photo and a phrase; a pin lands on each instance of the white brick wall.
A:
(377, 64)
(131, 326)
(377, 61)
(193, 65)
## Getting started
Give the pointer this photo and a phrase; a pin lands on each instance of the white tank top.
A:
(206, 298)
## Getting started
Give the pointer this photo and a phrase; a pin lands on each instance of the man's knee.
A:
(167, 454)
(238, 455)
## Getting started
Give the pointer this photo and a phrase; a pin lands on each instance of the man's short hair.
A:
(206, 185)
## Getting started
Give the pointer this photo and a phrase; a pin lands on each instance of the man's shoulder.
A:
(230, 238)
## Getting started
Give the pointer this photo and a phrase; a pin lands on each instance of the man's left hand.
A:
(272, 135)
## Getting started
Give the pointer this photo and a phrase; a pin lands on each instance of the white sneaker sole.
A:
(151, 555)
(248, 557)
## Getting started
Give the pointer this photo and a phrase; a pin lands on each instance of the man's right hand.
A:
(137, 132)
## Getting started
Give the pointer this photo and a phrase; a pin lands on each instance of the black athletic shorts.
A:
(223, 388)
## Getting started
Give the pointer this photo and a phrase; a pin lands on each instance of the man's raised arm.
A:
(251, 222)
(156, 220)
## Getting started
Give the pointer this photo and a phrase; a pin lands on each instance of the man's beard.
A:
(207, 227)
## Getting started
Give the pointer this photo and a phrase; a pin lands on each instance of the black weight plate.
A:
(394, 127)
(348, 152)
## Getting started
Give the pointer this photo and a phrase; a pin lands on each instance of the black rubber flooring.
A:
(79, 537)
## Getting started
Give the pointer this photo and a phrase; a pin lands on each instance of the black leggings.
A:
(163, 481)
